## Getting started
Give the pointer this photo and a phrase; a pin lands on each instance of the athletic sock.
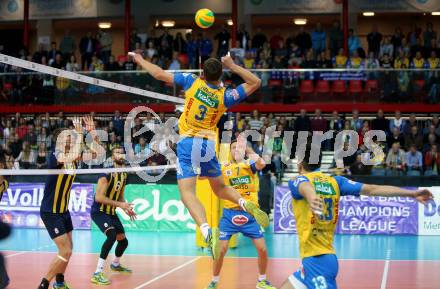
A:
(204, 228)
(44, 284)
(261, 277)
(242, 202)
(116, 261)
(100, 266)
(215, 279)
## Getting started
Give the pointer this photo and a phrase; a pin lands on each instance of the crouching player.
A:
(242, 175)
(110, 195)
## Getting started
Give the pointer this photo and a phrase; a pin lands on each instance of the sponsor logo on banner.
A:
(429, 215)
(20, 205)
(240, 220)
(284, 221)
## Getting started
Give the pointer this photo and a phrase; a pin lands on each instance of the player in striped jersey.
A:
(109, 196)
(54, 210)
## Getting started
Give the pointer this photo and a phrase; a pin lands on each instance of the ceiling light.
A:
(189, 31)
(436, 13)
(300, 21)
(157, 23)
(230, 22)
(368, 14)
(168, 23)
(104, 25)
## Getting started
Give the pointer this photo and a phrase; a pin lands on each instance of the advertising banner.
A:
(429, 215)
(20, 205)
(158, 208)
(357, 215)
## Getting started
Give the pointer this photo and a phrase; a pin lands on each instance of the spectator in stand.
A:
(336, 38)
(106, 41)
(358, 168)
(58, 62)
(397, 121)
(192, 50)
(401, 60)
(340, 60)
(52, 53)
(432, 161)
(134, 38)
(405, 47)
(412, 121)
(205, 47)
(26, 159)
(414, 35)
(325, 60)
(179, 43)
(42, 155)
(395, 161)
(151, 50)
(303, 40)
(72, 64)
(380, 122)
(302, 122)
(414, 138)
(243, 37)
(436, 122)
(318, 123)
(418, 47)
(118, 123)
(396, 136)
(112, 65)
(319, 39)
(374, 38)
(414, 161)
(355, 122)
(354, 43)
(67, 45)
(386, 48)
(266, 50)
(280, 50)
(259, 39)
(396, 40)
(96, 64)
(142, 150)
(255, 122)
(355, 62)
(39, 54)
(418, 61)
(431, 130)
(87, 48)
(175, 63)
(433, 61)
(336, 122)
(275, 39)
(428, 35)
(223, 38)
(248, 61)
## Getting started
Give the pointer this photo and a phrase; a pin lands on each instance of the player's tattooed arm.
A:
(306, 190)
(154, 70)
(100, 196)
(421, 195)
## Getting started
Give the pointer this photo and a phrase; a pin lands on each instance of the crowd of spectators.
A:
(318, 48)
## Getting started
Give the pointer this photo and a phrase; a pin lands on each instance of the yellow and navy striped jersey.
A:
(115, 188)
(3, 187)
(57, 189)
(242, 177)
(316, 234)
(204, 105)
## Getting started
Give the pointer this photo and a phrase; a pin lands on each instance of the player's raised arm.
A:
(100, 196)
(154, 70)
(255, 158)
(422, 195)
(302, 188)
(252, 82)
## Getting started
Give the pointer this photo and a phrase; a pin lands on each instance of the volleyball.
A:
(204, 18)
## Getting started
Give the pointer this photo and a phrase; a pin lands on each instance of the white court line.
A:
(16, 254)
(383, 285)
(168, 273)
(25, 252)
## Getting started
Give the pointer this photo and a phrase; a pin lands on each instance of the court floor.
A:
(171, 260)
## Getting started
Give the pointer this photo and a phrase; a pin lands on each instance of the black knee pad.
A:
(108, 244)
(120, 248)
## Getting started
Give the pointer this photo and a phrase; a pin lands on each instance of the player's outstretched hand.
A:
(77, 124)
(126, 206)
(316, 205)
(88, 121)
(227, 61)
(131, 213)
(136, 57)
(423, 195)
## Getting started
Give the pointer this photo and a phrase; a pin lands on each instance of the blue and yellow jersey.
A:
(400, 62)
(57, 189)
(316, 234)
(3, 187)
(340, 61)
(433, 63)
(355, 62)
(418, 63)
(244, 178)
(115, 188)
(204, 105)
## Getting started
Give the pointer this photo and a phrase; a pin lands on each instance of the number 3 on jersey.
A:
(202, 112)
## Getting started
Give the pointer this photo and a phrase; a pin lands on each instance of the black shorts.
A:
(105, 222)
(57, 224)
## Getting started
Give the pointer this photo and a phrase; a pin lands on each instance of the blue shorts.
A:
(57, 224)
(202, 162)
(317, 272)
(238, 221)
(105, 222)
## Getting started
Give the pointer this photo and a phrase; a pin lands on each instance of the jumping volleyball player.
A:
(54, 209)
(205, 102)
(109, 196)
(242, 175)
(315, 205)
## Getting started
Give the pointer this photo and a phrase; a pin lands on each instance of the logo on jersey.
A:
(228, 173)
(105, 225)
(207, 97)
(56, 231)
(245, 180)
(324, 188)
(240, 220)
(235, 94)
